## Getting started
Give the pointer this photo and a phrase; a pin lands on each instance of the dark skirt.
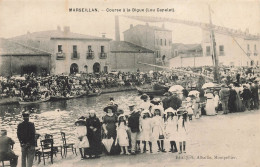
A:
(95, 145)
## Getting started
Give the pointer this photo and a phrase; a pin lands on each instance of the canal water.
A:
(57, 116)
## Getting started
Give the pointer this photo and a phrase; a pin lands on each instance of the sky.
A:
(18, 17)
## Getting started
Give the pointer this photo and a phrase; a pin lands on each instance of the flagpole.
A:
(214, 55)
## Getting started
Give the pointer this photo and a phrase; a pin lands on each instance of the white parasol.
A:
(108, 144)
(194, 92)
(176, 88)
(208, 85)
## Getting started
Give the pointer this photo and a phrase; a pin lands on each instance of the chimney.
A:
(66, 29)
(146, 24)
(58, 28)
(131, 26)
(117, 31)
(103, 35)
(28, 32)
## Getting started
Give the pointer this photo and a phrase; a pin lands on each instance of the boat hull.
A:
(33, 102)
(151, 92)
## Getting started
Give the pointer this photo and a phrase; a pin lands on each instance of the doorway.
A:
(96, 68)
(74, 68)
(29, 70)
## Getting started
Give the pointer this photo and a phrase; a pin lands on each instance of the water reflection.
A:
(53, 117)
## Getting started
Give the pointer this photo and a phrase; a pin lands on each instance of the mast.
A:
(214, 55)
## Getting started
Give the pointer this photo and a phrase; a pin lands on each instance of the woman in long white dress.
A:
(216, 100)
(210, 105)
(81, 135)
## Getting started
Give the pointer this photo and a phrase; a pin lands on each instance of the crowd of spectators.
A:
(31, 87)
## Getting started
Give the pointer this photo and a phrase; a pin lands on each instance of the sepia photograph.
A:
(113, 83)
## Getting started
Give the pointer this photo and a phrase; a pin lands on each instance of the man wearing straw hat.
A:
(26, 136)
(6, 151)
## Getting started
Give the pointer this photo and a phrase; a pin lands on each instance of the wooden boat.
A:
(91, 94)
(151, 91)
(56, 98)
(34, 102)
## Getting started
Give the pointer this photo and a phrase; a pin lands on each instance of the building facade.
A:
(157, 39)
(71, 52)
(186, 55)
(234, 48)
(17, 59)
(126, 57)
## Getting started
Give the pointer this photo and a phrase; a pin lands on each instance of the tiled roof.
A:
(218, 29)
(127, 47)
(58, 34)
(8, 47)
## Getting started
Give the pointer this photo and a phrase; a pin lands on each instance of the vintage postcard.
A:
(129, 83)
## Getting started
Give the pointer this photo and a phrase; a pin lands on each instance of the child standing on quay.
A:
(158, 127)
(81, 134)
(171, 128)
(182, 130)
(122, 137)
(146, 130)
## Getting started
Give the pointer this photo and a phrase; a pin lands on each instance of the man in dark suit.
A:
(26, 136)
(224, 96)
(6, 152)
(255, 95)
(133, 124)
(246, 95)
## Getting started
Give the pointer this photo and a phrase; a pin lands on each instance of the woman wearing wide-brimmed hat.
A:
(210, 105)
(109, 125)
(146, 104)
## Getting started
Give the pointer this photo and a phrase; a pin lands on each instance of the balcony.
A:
(75, 56)
(103, 55)
(60, 56)
(90, 55)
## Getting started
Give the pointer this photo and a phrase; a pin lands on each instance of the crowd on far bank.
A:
(31, 87)
(34, 88)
